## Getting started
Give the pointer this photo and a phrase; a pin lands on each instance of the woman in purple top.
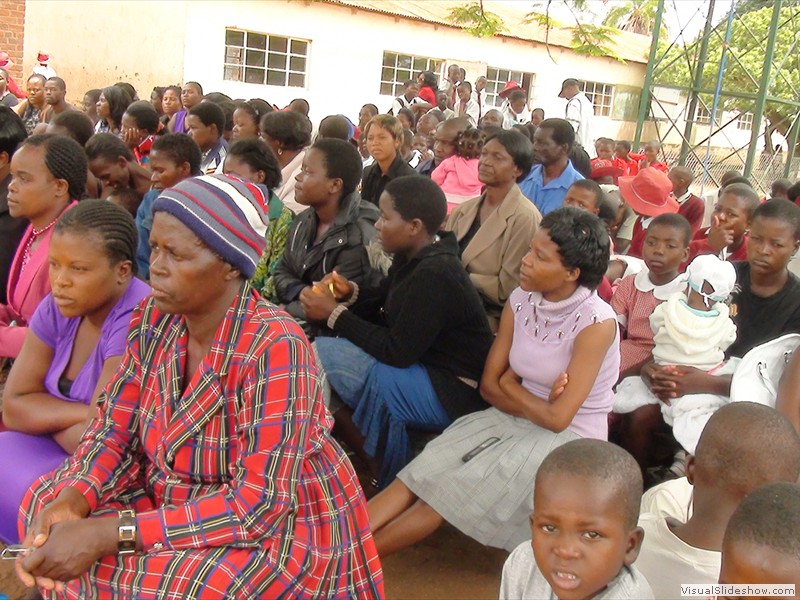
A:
(549, 379)
(74, 344)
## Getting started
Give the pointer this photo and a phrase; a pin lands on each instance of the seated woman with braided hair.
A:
(48, 174)
(74, 345)
(210, 471)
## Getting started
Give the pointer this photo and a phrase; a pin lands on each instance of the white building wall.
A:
(346, 53)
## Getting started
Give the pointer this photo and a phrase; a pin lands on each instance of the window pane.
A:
(255, 58)
(234, 38)
(257, 41)
(233, 56)
(387, 74)
(389, 59)
(276, 78)
(297, 63)
(420, 64)
(403, 75)
(387, 89)
(404, 61)
(297, 80)
(278, 44)
(277, 61)
(299, 47)
(232, 74)
(254, 75)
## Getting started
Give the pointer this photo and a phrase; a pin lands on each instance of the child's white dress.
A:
(691, 338)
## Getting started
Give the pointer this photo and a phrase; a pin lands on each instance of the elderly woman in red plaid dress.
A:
(210, 471)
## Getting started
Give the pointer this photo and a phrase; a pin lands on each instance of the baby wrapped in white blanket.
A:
(691, 328)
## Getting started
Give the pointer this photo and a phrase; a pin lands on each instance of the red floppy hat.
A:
(648, 193)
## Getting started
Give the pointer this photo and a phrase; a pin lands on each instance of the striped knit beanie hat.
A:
(229, 215)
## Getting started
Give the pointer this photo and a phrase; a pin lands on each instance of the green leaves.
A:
(477, 21)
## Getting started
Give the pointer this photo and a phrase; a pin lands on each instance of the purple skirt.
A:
(23, 459)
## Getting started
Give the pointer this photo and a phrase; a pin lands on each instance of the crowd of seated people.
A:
(227, 332)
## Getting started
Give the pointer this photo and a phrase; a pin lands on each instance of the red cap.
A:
(5, 60)
(43, 57)
(510, 87)
(605, 168)
(649, 193)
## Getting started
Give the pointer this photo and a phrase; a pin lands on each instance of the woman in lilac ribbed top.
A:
(548, 377)
(75, 341)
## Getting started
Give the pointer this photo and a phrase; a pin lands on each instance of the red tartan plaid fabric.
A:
(240, 491)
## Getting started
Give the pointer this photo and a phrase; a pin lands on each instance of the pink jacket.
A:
(26, 289)
(459, 176)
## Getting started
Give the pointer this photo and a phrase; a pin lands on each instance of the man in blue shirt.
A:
(547, 183)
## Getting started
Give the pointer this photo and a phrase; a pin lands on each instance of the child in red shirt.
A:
(650, 158)
(629, 163)
(727, 236)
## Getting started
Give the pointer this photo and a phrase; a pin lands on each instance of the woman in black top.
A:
(414, 347)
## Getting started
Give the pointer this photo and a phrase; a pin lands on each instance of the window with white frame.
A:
(601, 95)
(399, 68)
(745, 121)
(497, 78)
(702, 116)
(265, 59)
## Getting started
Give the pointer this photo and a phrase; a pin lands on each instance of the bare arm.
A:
(20, 108)
(497, 364)
(27, 406)
(70, 437)
(588, 354)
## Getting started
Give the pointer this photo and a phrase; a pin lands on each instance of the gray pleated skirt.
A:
(490, 497)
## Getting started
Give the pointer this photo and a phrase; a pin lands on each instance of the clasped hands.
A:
(320, 299)
(672, 381)
(63, 545)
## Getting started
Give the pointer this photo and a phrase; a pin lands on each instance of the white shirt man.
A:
(580, 114)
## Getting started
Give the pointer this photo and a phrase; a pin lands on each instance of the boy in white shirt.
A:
(735, 455)
(585, 539)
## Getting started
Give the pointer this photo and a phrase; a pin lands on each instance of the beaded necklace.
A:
(35, 233)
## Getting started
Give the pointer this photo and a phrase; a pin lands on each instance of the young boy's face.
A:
(463, 93)
(203, 135)
(744, 562)
(621, 151)
(770, 245)
(664, 250)
(518, 105)
(605, 151)
(731, 214)
(420, 142)
(582, 198)
(651, 153)
(579, 535)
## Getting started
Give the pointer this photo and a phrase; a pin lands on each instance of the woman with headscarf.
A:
(210, 470)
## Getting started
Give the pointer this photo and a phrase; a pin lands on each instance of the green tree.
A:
(588, 38)
(744, 64)
(636, 16)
